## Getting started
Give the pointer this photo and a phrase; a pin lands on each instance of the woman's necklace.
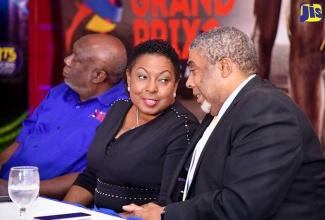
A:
(137, 117)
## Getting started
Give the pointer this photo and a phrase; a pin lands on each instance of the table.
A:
(44, 206)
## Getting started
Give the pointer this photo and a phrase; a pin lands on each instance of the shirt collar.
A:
(114, 93)
(108, 97)
(233, 95)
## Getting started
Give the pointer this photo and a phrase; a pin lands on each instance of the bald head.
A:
(107, 52)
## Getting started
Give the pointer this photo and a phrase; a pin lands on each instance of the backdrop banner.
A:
(13, 68)
(288, 34)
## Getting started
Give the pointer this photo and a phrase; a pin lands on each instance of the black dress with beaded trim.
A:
(136, 167)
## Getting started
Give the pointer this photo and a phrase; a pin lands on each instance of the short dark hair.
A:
(155, 46)
(221, 42)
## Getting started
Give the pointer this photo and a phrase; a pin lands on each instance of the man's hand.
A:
(133, 207)
(149, 211)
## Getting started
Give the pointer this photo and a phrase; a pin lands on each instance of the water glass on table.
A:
(23, 187)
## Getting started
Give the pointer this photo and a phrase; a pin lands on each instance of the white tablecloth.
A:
(43, 206)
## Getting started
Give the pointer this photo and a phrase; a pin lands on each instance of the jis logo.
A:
(311, 13)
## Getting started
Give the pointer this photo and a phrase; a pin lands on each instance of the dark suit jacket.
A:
(262, 161)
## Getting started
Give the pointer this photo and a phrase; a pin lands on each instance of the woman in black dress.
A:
(139, 143)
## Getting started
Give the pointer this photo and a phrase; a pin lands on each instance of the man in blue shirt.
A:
(56, 137)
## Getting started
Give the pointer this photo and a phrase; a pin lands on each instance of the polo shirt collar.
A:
(114, 93)
(107, 98)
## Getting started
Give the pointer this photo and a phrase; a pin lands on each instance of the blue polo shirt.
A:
(57, 136)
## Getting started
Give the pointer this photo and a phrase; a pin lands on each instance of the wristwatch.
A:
(162, 215)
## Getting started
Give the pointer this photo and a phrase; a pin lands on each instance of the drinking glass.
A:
(23, 187)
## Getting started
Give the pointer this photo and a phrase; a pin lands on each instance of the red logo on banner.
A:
(176, 19)
(106, 13)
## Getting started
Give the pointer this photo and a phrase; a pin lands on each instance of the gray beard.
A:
(206, 107)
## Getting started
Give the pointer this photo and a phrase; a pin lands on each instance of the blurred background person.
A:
(57, 136)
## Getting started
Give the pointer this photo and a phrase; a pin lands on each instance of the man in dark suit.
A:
(255, 155)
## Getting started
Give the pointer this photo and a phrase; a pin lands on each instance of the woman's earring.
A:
(174, 95)
(128, 88)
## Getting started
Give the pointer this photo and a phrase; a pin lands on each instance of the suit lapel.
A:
(198, 134)
(180, 174)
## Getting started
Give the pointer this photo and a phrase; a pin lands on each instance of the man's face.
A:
(79, 69)
(204, 81)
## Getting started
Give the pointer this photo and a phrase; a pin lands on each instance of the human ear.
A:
(226, 67)
(100, 76)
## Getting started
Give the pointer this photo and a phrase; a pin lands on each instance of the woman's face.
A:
(152, 83)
